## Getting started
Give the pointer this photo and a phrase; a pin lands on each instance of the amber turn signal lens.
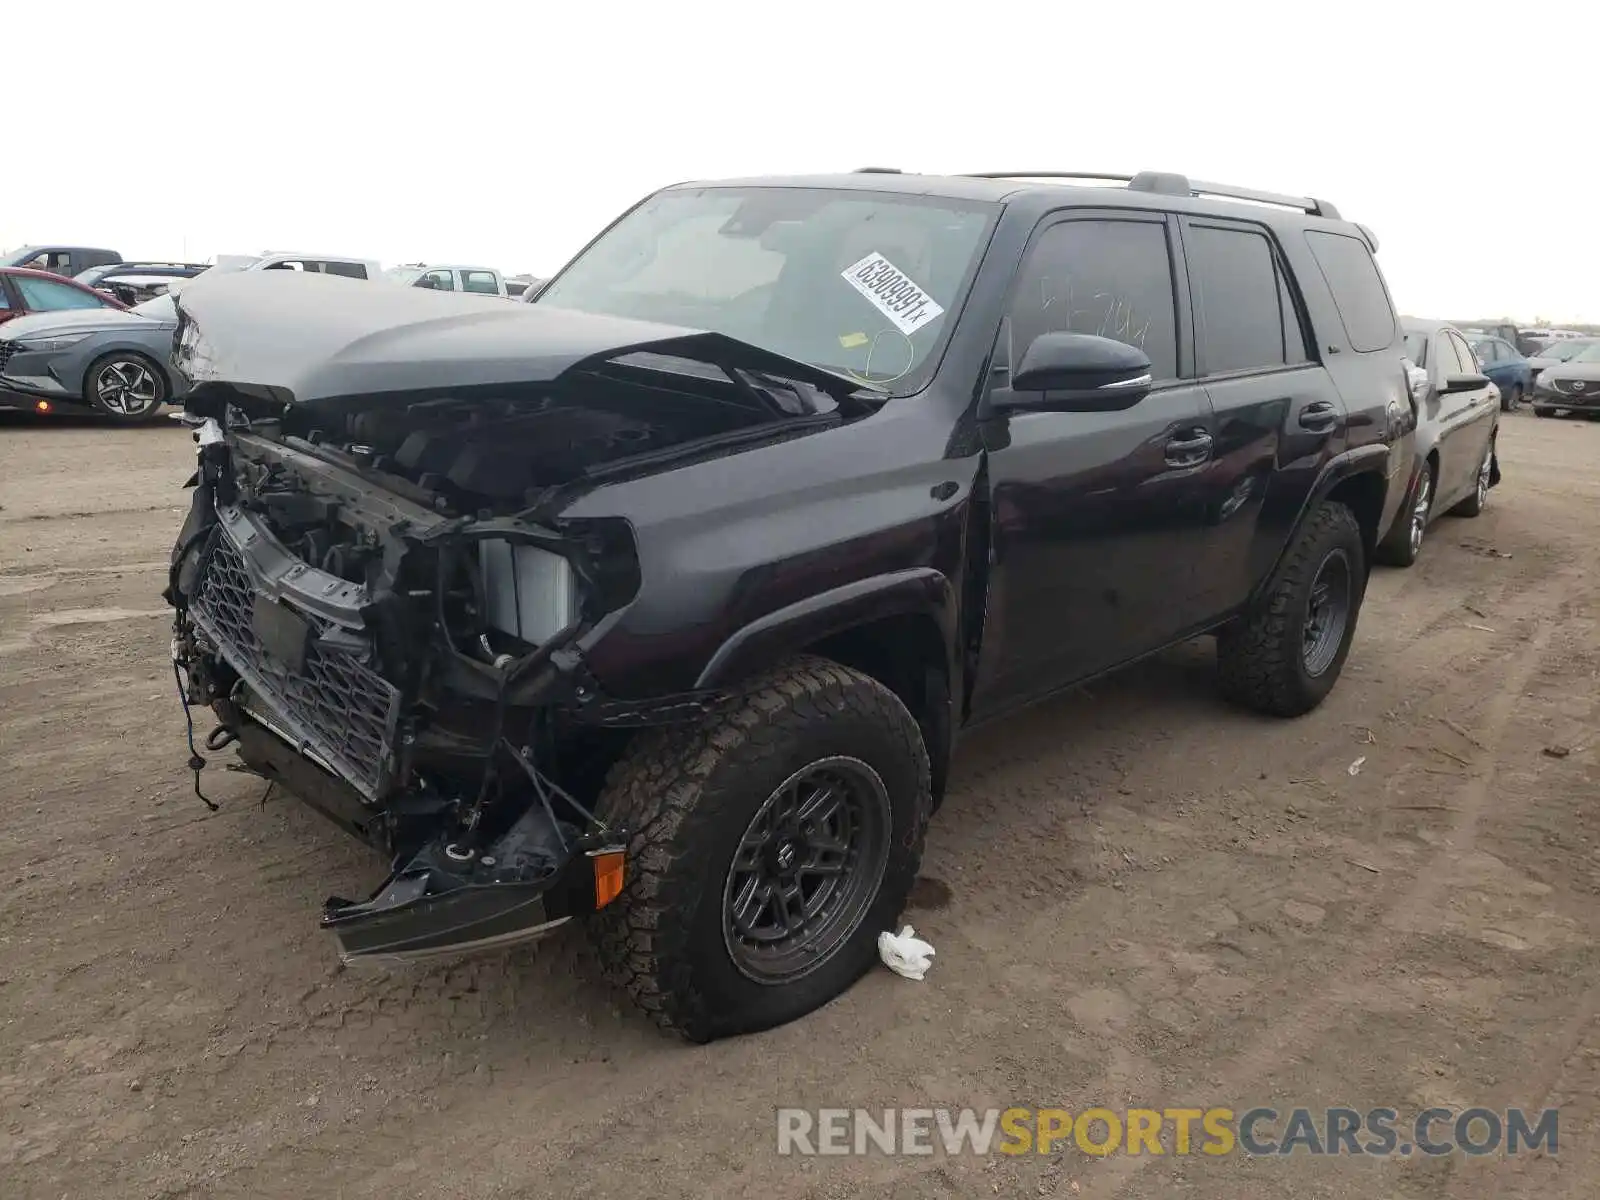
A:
(608, 871)
(43, 406)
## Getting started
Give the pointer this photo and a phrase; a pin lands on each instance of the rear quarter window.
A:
(1357, 287)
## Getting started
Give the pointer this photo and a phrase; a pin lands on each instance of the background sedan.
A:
(1572, 386)
(1508, 367)
(108, 360)
(1457, 421)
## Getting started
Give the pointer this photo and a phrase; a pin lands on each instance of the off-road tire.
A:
(1260, 658)
(1397, 550)
(686, 796)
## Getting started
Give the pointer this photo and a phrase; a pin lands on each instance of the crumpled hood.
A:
(303, 338)
(75, 320)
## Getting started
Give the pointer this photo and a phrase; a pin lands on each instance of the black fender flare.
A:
(919, 591)
(1371, 459)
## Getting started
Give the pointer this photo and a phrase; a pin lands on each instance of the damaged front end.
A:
(377, 594)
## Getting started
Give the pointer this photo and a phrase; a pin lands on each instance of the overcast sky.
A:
(509, 134)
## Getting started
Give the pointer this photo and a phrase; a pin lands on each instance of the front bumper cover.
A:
(448, 900)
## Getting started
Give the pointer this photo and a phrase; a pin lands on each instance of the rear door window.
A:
(1357, 287)
(348, 270)
(1246, 314)
(480, 281)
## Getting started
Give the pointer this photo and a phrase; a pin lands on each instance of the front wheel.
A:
(1284, 656)
(125, 386)
(770, 845)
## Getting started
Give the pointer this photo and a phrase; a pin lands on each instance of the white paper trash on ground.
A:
(905, 953)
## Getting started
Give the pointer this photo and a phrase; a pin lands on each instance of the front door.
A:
(1092, 515)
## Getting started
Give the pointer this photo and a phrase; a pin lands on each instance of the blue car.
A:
(108, 361)
(1507, 366)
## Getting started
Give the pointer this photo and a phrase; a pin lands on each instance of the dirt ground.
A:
(1138, 897)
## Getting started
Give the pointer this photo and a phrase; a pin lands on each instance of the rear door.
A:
(1479, 414)
(484, 283)
(1275, 415)
(1463, 418)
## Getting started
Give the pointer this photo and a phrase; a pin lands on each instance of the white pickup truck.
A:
(449, 277)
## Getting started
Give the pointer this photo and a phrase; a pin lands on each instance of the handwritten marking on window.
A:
(1105, 314)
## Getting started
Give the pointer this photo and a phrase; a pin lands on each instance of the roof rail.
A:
(1168, 184)
(1110, 178)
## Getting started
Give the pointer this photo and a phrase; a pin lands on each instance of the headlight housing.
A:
(50, 342)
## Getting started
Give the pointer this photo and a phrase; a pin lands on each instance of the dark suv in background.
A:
(663, 600)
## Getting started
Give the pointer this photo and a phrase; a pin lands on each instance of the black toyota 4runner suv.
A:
(662, 601)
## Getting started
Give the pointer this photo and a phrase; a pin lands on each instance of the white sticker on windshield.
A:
(892, 293)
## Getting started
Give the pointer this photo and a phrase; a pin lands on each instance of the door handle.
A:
(1319, 416)
(1189, 449)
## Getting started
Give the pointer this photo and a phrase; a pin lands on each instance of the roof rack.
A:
(1167, 183)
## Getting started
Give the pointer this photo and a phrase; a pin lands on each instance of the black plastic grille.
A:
(338, 707)
(7, 349)
(1581, 389)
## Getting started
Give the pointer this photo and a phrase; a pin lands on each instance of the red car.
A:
(24, 291)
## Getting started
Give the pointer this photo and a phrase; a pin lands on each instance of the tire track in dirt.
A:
(1325, 998)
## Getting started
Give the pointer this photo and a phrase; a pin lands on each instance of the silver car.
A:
(110, 361)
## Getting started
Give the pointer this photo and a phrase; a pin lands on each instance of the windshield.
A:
(862, 283)
(160, 308)
(405, 275)
(1417, 348)
(1564, 350)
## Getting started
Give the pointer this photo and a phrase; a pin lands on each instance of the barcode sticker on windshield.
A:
(892, 293)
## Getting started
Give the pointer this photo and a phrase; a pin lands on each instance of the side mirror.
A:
(1079, 372)
(426, 282)
(1463, 383)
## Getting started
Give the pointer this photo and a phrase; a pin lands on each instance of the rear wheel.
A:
(1404, 542)
(1475, 503)
(770, 845)
(1284, 657)
(125, 386)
